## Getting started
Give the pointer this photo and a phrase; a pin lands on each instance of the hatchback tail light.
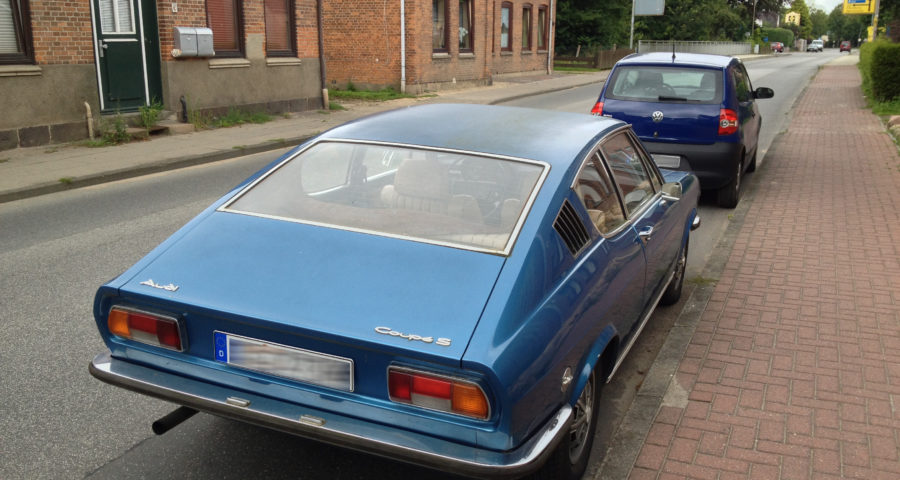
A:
(598, 109)
(728, 121)
(150, 328)
(446, 394)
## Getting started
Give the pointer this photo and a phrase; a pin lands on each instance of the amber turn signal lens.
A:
(469, 400)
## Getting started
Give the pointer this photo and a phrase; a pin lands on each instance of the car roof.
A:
(552, 137)
(681, 59)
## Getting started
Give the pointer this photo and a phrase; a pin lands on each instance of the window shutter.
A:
(8, 38)
(222, 21)
(278, 26)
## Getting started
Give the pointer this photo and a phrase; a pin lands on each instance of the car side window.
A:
(629, 171)
(598, 195)
(655, 177)
(741, 84)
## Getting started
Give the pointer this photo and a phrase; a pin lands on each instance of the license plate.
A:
(283, 361)
(667, 161)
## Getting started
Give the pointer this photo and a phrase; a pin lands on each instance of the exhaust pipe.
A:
(172, 420)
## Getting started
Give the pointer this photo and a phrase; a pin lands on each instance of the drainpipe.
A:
(402, 46)
(89, 119)
(323, 79)
(550, 39)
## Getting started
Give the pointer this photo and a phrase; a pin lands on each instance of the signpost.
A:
(644, 8)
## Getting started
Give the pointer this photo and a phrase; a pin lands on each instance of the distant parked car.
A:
(815, 46)
(845, 46)
(692, 112)
(448, 285)
(777, 47)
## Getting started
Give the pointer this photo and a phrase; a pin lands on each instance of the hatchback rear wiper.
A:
(677, 99)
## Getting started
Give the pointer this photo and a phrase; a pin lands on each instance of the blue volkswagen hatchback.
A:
(444, 292)
(692, 112)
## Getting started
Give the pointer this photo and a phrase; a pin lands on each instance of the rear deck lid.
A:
(331, 284)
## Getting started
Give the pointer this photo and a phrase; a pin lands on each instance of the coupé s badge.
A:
(657, 116)
(444, 342)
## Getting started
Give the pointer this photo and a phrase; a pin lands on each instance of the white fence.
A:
(715, 48)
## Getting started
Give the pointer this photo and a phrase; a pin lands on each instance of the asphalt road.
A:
(55, 250)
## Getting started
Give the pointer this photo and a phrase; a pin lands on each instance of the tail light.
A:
(445, 394)
(598, 109)
(728, 121)
(150, 328)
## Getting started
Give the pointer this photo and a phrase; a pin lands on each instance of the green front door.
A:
(121, 63)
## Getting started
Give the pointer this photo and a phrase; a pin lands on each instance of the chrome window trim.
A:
(595, 152)
(505, 251)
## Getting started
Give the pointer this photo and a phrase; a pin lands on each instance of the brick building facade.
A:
(61, 58)
(446, 42)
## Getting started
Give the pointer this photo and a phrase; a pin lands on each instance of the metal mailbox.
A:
(193, 42)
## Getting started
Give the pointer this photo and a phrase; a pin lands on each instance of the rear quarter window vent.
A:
(571, 228)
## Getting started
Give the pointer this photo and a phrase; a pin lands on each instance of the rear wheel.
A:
(673, 291)
(730, 194)
(570, 459)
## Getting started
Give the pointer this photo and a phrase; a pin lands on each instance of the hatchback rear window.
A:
(667, 84)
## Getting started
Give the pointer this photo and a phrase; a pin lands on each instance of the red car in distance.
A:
(777, 47)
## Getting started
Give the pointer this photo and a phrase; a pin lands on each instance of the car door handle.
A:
(645, 234)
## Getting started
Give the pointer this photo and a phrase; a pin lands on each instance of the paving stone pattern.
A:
(794, 368)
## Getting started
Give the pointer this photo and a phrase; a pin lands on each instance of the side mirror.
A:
(764, 92)
(672, 191)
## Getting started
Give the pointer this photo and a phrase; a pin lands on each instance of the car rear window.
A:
(444, 197)
(668, 84)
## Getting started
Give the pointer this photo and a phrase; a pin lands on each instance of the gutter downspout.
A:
(550, 39)
(322, 70)
(402, 46)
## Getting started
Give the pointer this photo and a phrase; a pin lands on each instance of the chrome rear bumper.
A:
(333, 428)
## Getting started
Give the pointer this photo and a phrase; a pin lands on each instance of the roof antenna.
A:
(673, 51)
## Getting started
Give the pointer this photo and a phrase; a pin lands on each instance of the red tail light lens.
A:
(598, 109)
(728, 121)
(446, 394)
(149, 328)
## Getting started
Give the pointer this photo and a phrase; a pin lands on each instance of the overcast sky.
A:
(826, 5)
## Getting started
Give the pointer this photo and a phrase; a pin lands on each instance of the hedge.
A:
(879, 65)
(782, 35)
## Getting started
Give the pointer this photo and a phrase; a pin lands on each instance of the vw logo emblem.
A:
(657, 116)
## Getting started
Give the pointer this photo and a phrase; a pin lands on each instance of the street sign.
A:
(649, 7)
(859, 7)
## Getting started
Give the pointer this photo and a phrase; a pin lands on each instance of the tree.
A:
(847, 27)
(804, 30)
(591, 24)
(695, 20)
(819, 23)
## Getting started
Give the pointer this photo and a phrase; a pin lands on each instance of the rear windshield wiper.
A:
(673, 99)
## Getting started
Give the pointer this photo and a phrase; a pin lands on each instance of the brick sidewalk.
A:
(793, 370)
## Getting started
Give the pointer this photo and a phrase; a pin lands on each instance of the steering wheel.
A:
(489, 180)
(667, 91)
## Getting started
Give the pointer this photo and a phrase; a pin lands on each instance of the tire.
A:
(751, 167)
(730, 194)
(570, 459)
(673, 291)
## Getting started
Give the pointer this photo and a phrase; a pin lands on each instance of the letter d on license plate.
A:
(283, 361)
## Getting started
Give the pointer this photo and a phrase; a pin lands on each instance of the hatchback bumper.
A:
(332, 428)
(714, 164)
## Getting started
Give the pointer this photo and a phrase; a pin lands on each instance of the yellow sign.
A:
(793, 18)
(859, 7)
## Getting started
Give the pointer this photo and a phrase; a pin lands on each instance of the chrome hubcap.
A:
(581, 426)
